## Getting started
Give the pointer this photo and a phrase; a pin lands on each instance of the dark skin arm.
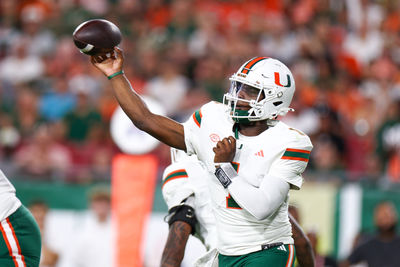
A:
(162, 128)
(304, 252)
(174, 249)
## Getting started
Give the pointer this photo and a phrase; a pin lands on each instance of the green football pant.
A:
(20, 241)
(281, 256)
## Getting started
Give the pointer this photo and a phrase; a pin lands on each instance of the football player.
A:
(186, 194)
(255, 158)
(185, 191)
(20, 242)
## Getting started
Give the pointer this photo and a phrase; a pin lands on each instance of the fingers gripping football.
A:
(225, 150)
(109, 63)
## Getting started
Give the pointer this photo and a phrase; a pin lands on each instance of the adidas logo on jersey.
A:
(259, 153)
(282, 247)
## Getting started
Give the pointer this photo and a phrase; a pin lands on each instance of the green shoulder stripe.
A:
(174, 175)
(296, 154)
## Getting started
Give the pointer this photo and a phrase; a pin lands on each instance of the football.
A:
(96, 36)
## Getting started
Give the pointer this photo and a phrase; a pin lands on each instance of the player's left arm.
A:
(182, 222)
(174, 249)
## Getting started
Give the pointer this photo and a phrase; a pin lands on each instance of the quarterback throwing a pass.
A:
(252, 158)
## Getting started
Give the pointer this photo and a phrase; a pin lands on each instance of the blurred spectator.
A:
(80, 120)
(9, 136)
(97, 7)
(58, 102)
(85, 82)
(157, 13)
(383, 248)
(320, 260)
(277, 41)
(364, 44)
(207, 37)
(72, 14)
(33, 20)
(9, 141)
(328, 141)
(209, 73)
(92, 159)
(106, 105)
(19, 66)
(388, 142)
(94, 243)
(25, 114)
(169, 87)
(360, 11)
(39, 210)
(181, 25)
(8, 33)
(42, 157)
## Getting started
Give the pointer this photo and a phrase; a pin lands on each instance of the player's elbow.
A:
(143, 122)
(262, 212)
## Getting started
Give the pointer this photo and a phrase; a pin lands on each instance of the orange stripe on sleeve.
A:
(295, 158)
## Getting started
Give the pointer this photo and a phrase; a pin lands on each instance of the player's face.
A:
(248, 93)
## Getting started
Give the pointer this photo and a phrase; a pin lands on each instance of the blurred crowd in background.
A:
(55, 108)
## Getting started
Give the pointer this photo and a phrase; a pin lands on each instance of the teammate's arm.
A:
(174, 249)
(162, 128)
(304, 252)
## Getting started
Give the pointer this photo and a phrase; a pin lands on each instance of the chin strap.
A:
(236, 130)
(242, 116)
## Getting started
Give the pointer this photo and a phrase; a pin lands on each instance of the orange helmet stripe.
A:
(251, 63)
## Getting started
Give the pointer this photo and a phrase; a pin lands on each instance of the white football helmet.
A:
(276, 85)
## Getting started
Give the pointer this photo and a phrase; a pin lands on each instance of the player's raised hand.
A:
(225, 150)
(109, 63)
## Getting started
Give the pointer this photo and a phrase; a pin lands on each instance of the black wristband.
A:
(222, 177)
(183, 213)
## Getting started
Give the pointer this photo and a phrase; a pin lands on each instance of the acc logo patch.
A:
(215, 138)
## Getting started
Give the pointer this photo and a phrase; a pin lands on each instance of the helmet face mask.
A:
(268, 96)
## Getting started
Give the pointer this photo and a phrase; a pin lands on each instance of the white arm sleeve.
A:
(262, 201)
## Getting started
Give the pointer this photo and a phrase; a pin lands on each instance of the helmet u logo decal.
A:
(278, 80)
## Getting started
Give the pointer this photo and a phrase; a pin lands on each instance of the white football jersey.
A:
(186, 176)
(9, 203)
(280, 151)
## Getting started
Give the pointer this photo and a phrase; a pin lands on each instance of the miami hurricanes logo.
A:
(215, 137)
(278, 80)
